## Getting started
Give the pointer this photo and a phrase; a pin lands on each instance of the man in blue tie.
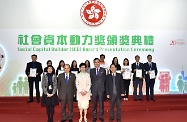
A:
(150, 76)
(138, 69)
(66, 92)
(98, 76)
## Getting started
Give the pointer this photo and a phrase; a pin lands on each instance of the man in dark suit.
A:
(138, 66)
(39, 70)
(150, 66)
(66, 91)
(98, 76)
(115, 91)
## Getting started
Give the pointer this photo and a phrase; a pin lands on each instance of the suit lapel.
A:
(94, 71)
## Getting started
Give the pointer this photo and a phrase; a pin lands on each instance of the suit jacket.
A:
(141, 66)
(147, 68)
(98, 82)
(45, 84)
(83, 83)
(39, 70)
(119, 85)
(64, 88)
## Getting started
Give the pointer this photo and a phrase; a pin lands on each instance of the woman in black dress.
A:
(49, 97)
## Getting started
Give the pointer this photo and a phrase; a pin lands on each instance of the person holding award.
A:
(33, 71)
(126, 72)
(83, 84)
(138, 76)
(150, 76)
(49, 97)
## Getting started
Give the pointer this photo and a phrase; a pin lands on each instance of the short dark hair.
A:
(112, 65)
(82, 64)
(34, 55)
(102, 55)
(96, 59)
(137, 56)
(127, 60)
(2, 56)
(149, 55)
(50, 66)
(49, 61)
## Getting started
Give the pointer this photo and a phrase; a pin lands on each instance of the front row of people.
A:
(68, 86)
(97, 82)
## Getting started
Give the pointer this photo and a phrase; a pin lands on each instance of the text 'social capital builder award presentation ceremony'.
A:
(93, 60)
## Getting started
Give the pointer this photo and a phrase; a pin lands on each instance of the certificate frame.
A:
(138, 73)
(32, 72)
(152, 74)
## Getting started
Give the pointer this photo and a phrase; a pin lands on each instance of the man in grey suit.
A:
(98, 75)
(66, 91)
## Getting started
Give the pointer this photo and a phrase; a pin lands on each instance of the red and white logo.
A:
(93, 12)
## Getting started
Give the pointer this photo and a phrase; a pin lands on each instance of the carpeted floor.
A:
(167, 108)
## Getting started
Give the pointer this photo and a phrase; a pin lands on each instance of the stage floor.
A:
(166, 108)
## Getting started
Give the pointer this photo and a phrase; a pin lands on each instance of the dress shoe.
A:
(111, 120)
(70, 120)
(118, 120)
(153, 99)
(63, 120)
(30, 101)
(94, 120)
(102, 120)
(140, 99)
(135, 99)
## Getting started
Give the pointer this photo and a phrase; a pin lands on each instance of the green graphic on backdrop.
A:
(86, 43)
(180, 84)
(20, 88)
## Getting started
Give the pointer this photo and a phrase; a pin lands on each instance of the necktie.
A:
(114, 84)
(66, 79)
(150, 65)
(97, 71)
(137, 66)
(33, 64)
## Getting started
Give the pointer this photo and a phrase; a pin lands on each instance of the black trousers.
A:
(50, 113)
(150, 87)
(137, 83)
(114, 99)
(95, 97)
(68, 101)
(31, 83)
(127, 84)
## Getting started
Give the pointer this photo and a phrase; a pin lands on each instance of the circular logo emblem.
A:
(2, 59)
(93, 12)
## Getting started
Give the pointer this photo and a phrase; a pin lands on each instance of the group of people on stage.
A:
(101, 83)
